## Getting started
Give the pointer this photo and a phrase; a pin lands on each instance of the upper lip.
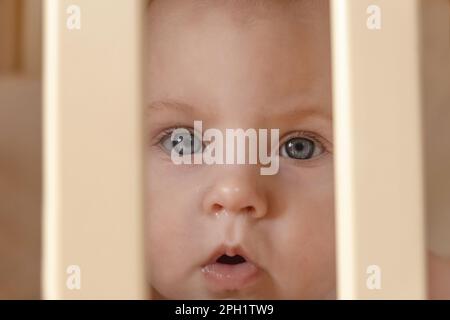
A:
(229, 251)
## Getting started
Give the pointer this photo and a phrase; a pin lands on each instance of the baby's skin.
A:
(226, 231)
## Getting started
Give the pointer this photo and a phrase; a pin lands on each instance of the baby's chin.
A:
(199, 291)
(155, 294)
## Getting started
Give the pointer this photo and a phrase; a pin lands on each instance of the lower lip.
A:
(230, 277)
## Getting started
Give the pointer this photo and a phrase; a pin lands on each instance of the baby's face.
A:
(232, 64)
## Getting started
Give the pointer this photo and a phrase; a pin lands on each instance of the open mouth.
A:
(226, 259)
(228, 270)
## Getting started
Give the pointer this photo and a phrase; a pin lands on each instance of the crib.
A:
(390, 80)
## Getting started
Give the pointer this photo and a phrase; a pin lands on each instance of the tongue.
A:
(231, 260)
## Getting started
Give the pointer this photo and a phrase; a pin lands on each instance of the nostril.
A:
(248, 209)
(217, 208)
(225, 259)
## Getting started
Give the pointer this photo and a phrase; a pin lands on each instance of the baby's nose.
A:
(238, 194)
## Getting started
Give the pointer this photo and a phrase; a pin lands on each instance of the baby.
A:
(226, 230)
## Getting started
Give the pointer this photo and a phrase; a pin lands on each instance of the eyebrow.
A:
(302, 111)
(170, 105)
(296, 111)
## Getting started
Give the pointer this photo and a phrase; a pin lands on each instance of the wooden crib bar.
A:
(94, 200)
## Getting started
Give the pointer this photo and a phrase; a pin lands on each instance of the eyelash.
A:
(323, 143)
(168, 132)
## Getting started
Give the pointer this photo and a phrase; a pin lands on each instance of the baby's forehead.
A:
(242, 12)
(250, 60)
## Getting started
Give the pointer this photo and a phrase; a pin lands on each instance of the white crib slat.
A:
(93, 202)
(378, 133)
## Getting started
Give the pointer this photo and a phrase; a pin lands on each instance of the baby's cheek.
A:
(310, 271)
(305, 240)
(170, 234)
(160, 239)
(163, 245)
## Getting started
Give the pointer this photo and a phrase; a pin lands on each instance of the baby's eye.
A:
(182, 141)
(301, 148)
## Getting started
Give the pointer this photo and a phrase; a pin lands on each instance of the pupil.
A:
(300, 148)
(185, 145)
(177, 141)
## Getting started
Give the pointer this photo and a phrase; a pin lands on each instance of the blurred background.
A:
(21, 149)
